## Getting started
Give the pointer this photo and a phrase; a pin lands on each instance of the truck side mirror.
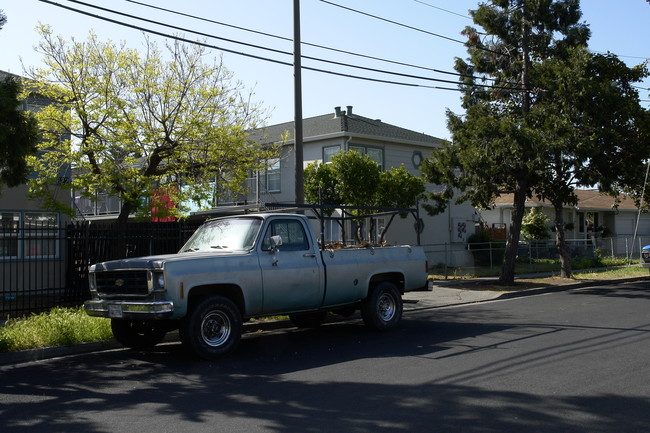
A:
(276, 241)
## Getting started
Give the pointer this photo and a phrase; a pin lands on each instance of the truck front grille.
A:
(122, 282)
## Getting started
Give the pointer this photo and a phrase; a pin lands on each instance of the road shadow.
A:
(286, 381)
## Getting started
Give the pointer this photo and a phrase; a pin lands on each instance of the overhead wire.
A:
(253, 56)
(411, 27)
(442, 9)
(271, 35)
(500, 88)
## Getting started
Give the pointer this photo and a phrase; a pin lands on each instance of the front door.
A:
(292, 278)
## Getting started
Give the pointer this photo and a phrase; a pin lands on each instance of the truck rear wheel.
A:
(138, 334)
(382, 309)
(212, 329)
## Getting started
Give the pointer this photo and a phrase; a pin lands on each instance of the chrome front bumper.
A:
(133, 310)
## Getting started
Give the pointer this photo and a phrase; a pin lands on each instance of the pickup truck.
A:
(236, 268)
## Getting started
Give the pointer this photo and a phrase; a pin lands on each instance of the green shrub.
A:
(535, 225)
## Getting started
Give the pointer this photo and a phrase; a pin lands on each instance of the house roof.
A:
(343, 122)
(588, 199)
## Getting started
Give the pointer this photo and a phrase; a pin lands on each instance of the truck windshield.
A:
(229, 234)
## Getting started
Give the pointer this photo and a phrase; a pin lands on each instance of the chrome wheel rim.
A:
(386, 307)
(215, 328)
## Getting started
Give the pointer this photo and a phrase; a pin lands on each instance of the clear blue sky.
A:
(617, 26)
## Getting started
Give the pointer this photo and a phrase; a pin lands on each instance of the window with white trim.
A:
(329, 152)
(375, 153)
(272, 179)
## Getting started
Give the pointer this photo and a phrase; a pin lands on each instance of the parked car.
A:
(645, 256)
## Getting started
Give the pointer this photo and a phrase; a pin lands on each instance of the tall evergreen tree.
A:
(496, 147)
(526, 130)
(595, 130)
(18, 134)
(18, 130)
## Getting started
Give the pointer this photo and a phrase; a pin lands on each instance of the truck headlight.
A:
(160, 280)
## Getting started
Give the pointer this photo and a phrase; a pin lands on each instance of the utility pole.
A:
(297, 85)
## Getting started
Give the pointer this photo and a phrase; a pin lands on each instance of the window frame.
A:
(365, 147)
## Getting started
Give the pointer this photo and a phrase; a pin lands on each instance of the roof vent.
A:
(337, 111)
(349, 107)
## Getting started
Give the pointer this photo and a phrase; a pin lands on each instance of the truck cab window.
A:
(293, 235)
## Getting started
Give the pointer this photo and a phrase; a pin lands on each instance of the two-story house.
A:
(388, 145)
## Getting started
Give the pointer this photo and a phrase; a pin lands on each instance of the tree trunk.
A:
(118, 249)
(507, 276)
(560, 242)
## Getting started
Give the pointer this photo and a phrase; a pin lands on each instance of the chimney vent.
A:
(349, 107)
(337, 111)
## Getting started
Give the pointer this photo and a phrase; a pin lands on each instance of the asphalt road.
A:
(575, 361)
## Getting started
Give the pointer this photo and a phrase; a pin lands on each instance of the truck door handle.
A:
(312, 255)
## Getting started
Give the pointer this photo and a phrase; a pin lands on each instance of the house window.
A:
(40, 234)
(329, 152)
(29, 235)
(9, 227)
(375, 153)
(272, 178)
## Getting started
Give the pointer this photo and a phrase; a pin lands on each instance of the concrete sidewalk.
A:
(444, 294)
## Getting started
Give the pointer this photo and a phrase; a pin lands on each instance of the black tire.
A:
(382, 309)
(212, 329)
(138, 334)
(308, 320)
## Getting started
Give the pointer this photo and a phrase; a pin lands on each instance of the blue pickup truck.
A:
(236, 268)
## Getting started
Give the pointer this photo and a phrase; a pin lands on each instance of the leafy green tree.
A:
(353, 179)
(18, 134)
(498, 146)
(160, 122)
(320, 185)
(534, 225)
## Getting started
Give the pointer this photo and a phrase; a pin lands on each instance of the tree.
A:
(18, 134)
(18, 130)
(353, 179)
(497, 146)
(595, 130)
(534, 225)
(143, 125)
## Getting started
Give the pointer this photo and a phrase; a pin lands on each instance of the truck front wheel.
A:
(382, 309)
(138, 334)
(212, 328)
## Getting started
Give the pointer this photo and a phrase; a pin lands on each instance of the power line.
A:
(441, 9)
(410, 27)
(410, 65)
(269, 49)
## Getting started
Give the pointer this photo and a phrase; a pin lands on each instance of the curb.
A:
(566, 287)
(31, 355)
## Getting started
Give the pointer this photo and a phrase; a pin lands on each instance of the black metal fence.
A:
(41, 268)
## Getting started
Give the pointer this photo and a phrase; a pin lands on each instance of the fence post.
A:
(491, 261)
